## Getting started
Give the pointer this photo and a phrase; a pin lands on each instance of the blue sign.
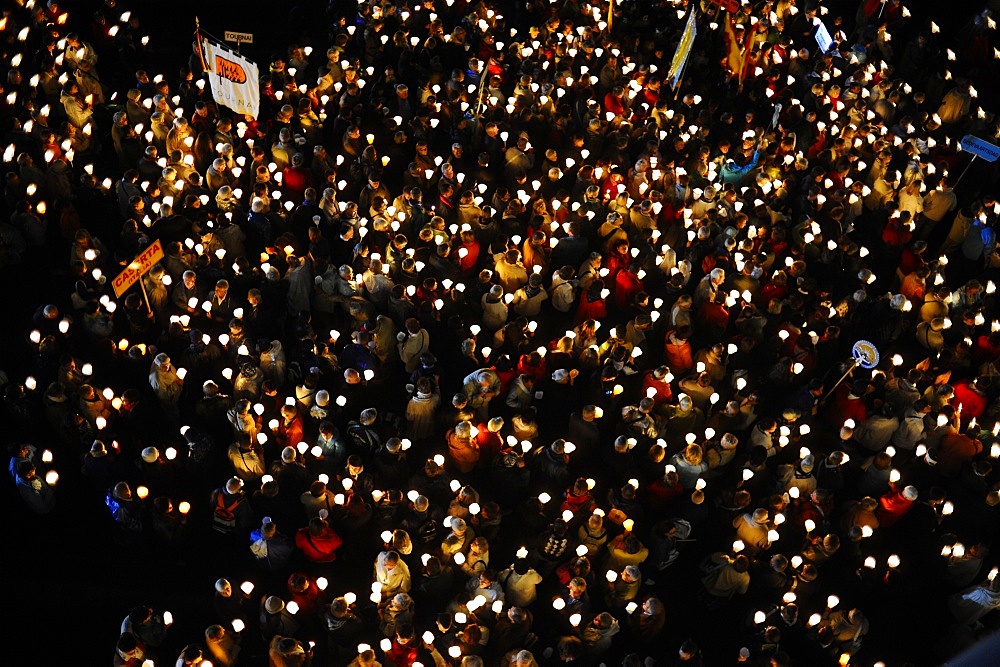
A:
(823, 38)
(865, 353)
(980, 148)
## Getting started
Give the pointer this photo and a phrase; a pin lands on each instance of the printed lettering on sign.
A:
(146, 260)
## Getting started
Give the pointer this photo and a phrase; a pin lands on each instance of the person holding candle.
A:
(391, 574)
(37, 493)
(129, 651)
(223, 646)
(168, 383)
(895, 504)
(971, 604)
(727, 576)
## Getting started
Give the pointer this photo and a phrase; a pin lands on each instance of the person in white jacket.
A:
(519, 583)
(412, 343)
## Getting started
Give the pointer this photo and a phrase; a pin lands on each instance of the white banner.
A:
(233, 79)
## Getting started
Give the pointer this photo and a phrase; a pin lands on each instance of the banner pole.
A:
(197, 37)
(142, 284)
(680, 79)
(962, 175)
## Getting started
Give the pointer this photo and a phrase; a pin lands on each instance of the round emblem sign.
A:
(865, 353)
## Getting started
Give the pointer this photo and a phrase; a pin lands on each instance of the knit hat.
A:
(273, 604)
(150, 454)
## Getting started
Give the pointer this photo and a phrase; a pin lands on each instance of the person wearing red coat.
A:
(317, 541)
(713, 316)
(971, 396)
(627, 285)
(613, 101)
(986, 349)
(658, 380)
(468, 254)
(304, 592)
(489, 440)
(578, 498)
(847, 405)
(593, 304)
(290, 431)
(531, 363)
(295, 178)
(677, 350)
(895, 504)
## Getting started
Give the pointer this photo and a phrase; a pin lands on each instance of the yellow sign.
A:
(146, 260)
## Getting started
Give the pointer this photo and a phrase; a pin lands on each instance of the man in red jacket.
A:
(317, 541)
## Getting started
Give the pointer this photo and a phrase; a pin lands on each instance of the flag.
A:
(233, 79)
(738, 50)
(683, 51)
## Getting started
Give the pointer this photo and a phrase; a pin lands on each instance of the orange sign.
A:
(227, 69)
(146, 260)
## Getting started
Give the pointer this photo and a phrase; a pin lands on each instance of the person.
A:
(167, 382)
(36, 492)
(727, 576)
(970, 605)
(520, 582)
(223, 646)
(392, 574)
(271, 549)
(275, 618)
(648, 624)
(146, 626)
(129, 651)
(231, 510)
(847, 629)
(481, 387)
(288, 652)
(317, 541)
(462, 447)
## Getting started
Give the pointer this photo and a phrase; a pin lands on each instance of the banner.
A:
(146, 260)
(683, 51)
(738, 54)
(233, 79)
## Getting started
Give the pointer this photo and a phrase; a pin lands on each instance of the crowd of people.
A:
(494, 339)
